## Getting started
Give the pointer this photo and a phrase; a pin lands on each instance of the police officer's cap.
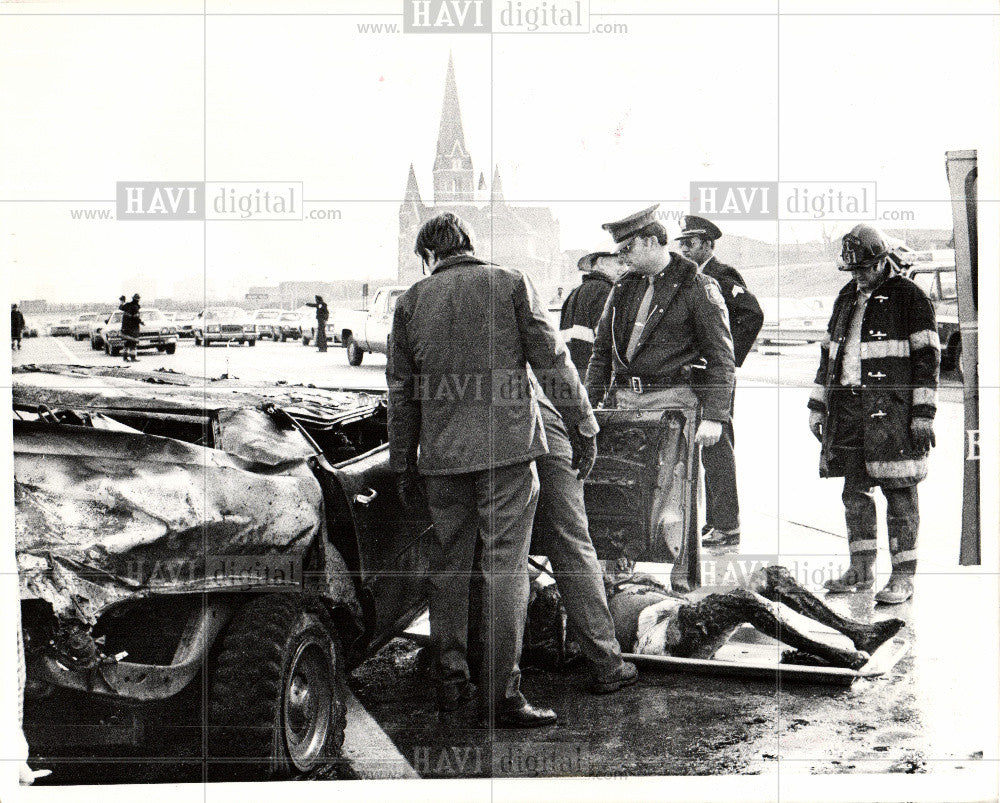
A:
(699, 227)
(135, 296)
(588, 261)
(862, 246)
(628, 227)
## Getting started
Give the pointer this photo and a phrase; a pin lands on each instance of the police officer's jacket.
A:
(745, 315)
(900, 358)
(580, 314)
(461, 341)
(688, 324)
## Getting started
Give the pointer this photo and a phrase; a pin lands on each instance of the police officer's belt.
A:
(644, 383)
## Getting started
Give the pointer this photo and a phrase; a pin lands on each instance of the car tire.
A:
(251, 343)
(306, 340)
(355, 354)
(170, 348)
(94, 345)
(277, 695)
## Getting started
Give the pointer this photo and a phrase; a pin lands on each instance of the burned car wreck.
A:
(157, 515)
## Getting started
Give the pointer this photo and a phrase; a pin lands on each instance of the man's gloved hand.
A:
(410, 488)
(584, 453)
(122, 299)
(922, 433)
(817, 421)
(708, 433)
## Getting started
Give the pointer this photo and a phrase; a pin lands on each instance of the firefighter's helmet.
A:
(862, 246)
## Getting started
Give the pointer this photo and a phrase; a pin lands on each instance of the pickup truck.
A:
(368, 330)
(226, 551)
(937, 279)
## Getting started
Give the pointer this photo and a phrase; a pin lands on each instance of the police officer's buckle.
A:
(636, 383)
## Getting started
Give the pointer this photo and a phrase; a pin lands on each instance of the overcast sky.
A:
(593, 125)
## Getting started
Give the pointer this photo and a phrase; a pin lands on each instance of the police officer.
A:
(663, 340)
(583, 306)
(873, 406)
(722, 506)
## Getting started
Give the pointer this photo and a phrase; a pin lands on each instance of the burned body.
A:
(652, 620)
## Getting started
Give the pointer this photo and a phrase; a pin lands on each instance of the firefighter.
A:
(722, 505)
(583, 306)
(873, 407)
(322, 316)
(131, 328)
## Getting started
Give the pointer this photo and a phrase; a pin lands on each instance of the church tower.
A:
(454, 178)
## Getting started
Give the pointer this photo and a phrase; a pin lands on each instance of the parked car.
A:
(938, 280)
(97, 327)
(62, 328)
(83, 323)
(156, 332)
(267, 323)
(792, 321)
(224, 325)
(183, 322)
(368, 330)
(251, 549)
(290, 326)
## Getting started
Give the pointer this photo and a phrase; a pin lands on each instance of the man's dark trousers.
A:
(496, 506)
(722, 504)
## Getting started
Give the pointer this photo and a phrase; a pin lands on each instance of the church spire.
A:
(412, 193)
(453, 174)
(496, 190)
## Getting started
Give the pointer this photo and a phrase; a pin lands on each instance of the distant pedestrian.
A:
(131, 328)
(16, 327)
(873, 407)
(322, 316)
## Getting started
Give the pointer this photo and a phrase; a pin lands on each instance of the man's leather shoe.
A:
(524, 716)
(625, 675)
(715, 537)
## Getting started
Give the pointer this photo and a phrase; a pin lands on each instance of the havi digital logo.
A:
(447, 16)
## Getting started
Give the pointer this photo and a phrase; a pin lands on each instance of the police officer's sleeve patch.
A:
(714, 294)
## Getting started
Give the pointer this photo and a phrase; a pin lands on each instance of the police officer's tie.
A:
(640, 320)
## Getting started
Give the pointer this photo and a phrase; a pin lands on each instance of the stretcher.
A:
(751, 655)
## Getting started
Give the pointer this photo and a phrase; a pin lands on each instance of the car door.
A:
(379, 323)
(391, 543)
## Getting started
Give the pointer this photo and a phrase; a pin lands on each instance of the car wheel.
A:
(305, 340)
(94, 345)
(251, 343)
(170, 348)
(277, 695)
(355, 354)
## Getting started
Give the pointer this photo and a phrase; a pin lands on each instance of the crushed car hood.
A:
(105, 512)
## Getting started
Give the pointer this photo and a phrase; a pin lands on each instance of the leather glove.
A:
(410, 489)
(817, 421)
(708, 433)
(122, 299)
(584, 453)
(922, 433)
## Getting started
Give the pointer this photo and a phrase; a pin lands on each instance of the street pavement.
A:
(935, 712)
